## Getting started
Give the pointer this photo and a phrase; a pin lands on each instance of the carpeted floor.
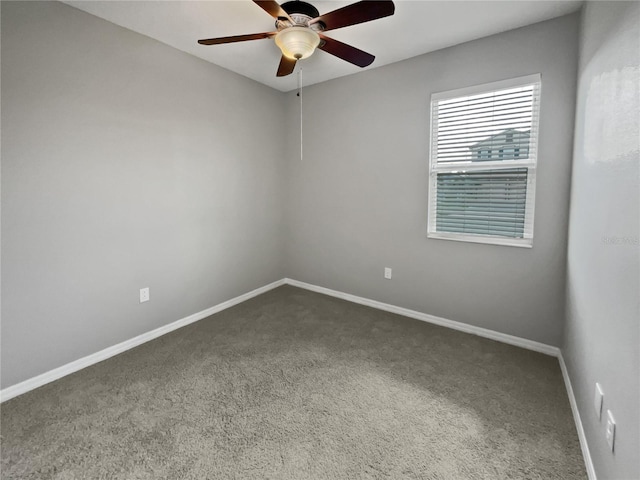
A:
(297, 385)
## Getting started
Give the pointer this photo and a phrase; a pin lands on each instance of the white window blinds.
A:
(482, 164)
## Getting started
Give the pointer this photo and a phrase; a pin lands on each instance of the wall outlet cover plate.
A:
(144, 294)
(597, 401)
(611, 430)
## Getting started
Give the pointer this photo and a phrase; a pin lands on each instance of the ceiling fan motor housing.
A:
(300, 7)
(301, 13)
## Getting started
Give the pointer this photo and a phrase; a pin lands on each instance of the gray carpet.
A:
(297, 385)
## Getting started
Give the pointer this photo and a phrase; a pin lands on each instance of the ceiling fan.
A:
(300, 27)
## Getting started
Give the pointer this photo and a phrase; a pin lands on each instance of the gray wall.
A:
(602, 336)
(125, 164)
(357, 202)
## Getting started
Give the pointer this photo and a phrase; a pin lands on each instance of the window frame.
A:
(531, 164)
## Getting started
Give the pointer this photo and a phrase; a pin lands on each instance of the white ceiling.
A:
(417, 27)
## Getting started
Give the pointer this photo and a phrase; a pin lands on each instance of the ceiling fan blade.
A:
(273, 8)
(346, 52)
(286, 66)
(355, 13)
(236, 38)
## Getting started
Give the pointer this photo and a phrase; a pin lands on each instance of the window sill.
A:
(507, 242)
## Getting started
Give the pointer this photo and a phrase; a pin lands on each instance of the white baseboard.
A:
(591, 472)
(56, 373)
(443, 322)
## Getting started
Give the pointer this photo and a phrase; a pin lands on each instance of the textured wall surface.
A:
(125, 164)
(358, 199)
(602, 337)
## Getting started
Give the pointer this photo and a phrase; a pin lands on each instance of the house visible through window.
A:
(483, 162)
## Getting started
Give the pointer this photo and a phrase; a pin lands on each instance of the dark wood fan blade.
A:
(346, 52)
(273, 8)
(286, 66)
(236, 38)
(355, 13)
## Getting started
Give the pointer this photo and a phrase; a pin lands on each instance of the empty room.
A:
(320, 240)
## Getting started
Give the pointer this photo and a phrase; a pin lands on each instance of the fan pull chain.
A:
(300, 95)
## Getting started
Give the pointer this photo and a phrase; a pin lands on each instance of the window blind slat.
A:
(465, 119)
(470, 102)
(490, 127)
(481, 111)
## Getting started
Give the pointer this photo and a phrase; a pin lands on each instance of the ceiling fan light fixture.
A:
(300, 29)
(297, 42)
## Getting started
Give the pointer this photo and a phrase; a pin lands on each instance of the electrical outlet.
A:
(387, 273)
(610, 432)
(144, 294)
(597, 401)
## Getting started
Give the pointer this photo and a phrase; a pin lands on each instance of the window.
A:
(482, 164)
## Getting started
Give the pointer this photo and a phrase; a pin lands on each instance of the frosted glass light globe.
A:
(297, 42)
